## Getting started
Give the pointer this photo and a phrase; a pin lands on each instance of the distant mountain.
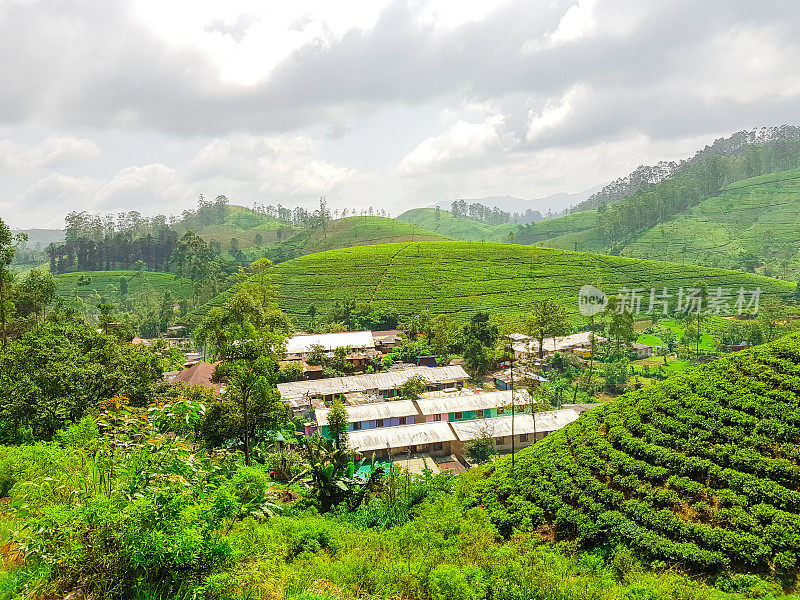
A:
(40, 238)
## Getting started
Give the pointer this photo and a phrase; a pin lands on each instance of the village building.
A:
(642, 350)
(465, 407)
(387, 340)
(527, 348)
(441, 425)
(200, 373)
(361, 346)
(502, 380)
(378, 385)
(527, 429)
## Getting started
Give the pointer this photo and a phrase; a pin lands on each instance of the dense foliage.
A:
(51, 375)
(702, 469)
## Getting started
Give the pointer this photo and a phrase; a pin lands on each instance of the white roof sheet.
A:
(377, 381)
(523, 423)
(300, 344)
(465, 402)
(582, 338)
(371, 411)
(381, 438)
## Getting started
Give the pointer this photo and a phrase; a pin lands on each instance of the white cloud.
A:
(554, 114)
(461, 145)
(576, 23)
(53, 152)
(283, 164)
(153, 187)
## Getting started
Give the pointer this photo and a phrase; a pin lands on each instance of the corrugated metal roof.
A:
(465, 402)
(382, 438)
(523, 423)
(300, 344)
(371, 411)
(377, 381)
(582, 338)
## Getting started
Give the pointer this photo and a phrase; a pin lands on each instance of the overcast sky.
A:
(144, 104)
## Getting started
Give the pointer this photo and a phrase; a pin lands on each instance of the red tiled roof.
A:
(199, 374)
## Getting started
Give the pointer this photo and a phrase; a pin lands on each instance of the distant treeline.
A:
(130, 241)
(94, 244)
(492, 215)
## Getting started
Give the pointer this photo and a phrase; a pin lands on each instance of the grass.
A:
(459, 228)
(706, 340)
(759, 216)
(460, 278)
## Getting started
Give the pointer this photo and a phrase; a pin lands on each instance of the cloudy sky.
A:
(144, 104)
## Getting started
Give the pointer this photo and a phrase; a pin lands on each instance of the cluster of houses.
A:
(439, 424)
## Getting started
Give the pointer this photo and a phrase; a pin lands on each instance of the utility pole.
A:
(511, 373)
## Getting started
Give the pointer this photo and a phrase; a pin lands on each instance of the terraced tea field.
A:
(759, 216)
(459, 278)
(702, 469)
(358, 231)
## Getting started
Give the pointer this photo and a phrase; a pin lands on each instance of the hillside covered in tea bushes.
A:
(460, 278)
(702, 470)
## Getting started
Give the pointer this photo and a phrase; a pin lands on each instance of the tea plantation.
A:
(107, 284)
(702, 469)
(459, 278)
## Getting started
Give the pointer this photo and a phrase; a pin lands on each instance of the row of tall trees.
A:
(479, 212)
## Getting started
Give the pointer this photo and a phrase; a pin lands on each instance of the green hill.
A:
(702, 469)
(459, 278)
(106, 284)
(356, 231)
(250, 228)
(577, 231)
(758, 216)
(459, 228)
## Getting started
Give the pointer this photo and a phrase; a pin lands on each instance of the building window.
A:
(479, 413)
(403, 420)
(499, 441)
(437, 447)
(523, 437)
(356, 425)
(379, 423)
(459, 415)
(437, 417)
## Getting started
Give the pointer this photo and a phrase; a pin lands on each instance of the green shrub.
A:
(449, 582)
